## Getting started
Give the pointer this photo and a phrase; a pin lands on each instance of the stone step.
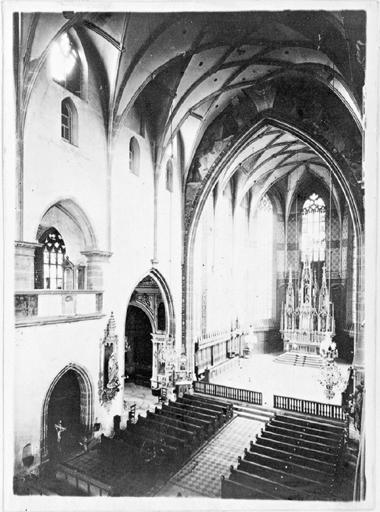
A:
(298, 359)
(254, 413)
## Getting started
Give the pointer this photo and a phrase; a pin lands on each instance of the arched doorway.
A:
(149, 326)
(64, 406)
(138, 357)
(69, 403)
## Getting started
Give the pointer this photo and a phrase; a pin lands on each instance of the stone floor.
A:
(260, 372)
(202, 474)
(141, 396)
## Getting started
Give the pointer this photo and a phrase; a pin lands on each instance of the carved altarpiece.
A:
(109, 383)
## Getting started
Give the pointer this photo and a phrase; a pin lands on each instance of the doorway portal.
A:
(138, 357)
(64, 407)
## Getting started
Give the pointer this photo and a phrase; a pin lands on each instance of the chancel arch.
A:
(238, 156)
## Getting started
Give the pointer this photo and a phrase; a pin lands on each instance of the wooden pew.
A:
(297, 450)
(313, 431)
(334, 430)
(227, 406)
(327, 467)
(152, 433)
(140, 440)
(270, 460)
(301, 442)
(225, 409)
(219, 417)
(231, 489)
(191, 428)
(165, 428)
(267, 486)
(183, 416)
(185, 411)
(285, 430)
(283, 477)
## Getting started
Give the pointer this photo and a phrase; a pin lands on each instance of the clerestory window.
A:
(65, 64)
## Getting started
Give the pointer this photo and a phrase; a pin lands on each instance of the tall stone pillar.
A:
(24, 265)
(360, 318)
(95, 263)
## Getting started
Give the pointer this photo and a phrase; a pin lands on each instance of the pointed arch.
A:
(86, 403)
(339, 170)
(77, 216)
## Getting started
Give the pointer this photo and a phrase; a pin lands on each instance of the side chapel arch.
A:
(152, 297)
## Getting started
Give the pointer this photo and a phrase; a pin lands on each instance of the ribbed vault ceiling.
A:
(191, 68)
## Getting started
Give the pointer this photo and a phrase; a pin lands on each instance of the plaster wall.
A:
(41, 352)
(54, 169)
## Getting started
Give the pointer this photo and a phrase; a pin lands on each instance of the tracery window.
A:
(313, 245)
(54, 251)
(65, 64)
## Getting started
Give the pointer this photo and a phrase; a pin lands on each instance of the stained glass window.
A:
(313, 229)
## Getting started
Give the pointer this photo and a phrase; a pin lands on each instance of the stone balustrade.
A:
(54, 306)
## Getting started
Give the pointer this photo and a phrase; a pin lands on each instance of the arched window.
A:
(69, 121)
(313, 229)
(65, 64)
(264, 260)
(169, 176)
(134, 156)
(53, 259)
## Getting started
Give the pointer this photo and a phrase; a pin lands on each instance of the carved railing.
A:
(32, 306)
(241, 395)
(331, 411)
(215, 347)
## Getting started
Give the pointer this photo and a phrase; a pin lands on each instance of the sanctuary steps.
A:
(299, 359)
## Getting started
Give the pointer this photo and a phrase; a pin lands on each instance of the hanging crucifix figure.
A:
(60, 429)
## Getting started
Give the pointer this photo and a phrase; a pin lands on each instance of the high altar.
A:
(307, 321)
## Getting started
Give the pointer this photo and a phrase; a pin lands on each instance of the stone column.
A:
(24, 265)
(359, 311)
(95, 263)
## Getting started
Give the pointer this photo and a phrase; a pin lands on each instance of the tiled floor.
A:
(261, 373)
(201, 475)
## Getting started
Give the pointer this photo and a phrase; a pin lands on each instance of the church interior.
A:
(189, 254)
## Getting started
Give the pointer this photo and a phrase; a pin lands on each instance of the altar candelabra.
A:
(331, 378)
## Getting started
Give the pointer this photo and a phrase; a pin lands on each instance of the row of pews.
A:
(144, 455)
(293, 459)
